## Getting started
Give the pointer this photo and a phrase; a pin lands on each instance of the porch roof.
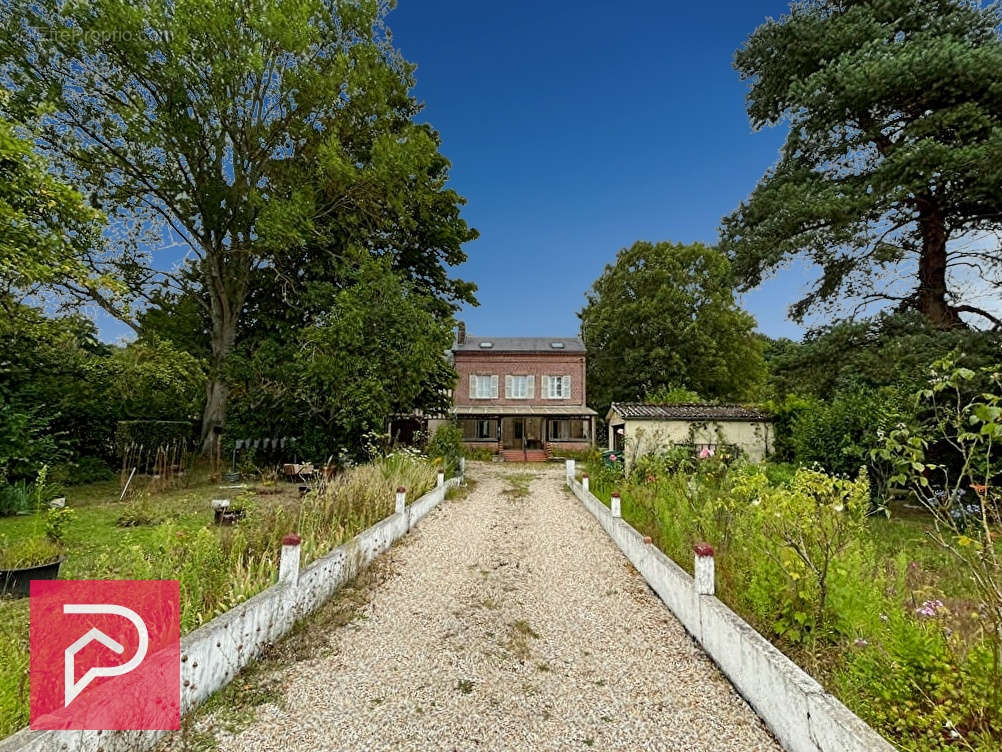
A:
(479, 411)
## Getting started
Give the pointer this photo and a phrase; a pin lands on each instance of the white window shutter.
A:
(494, 386)
(473, 386)
(567, 387)
(531, 387)
(508, 383)
(545, 386)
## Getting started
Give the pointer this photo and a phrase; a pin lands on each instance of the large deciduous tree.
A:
(664, 315)
(235, 131)
(893, 164)
(362, 343)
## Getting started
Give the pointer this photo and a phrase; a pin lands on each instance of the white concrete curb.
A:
(798, 711)
(214, 654)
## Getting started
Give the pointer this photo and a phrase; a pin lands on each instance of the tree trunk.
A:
(932, 291)
(226, 304)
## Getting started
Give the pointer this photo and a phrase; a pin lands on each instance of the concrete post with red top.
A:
(401, 500)
(703, 570)
(615, 504)
(584, 482)
(571, 471)
(288, 564)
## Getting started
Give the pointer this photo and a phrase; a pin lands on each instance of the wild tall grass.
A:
(220, 567)
(219, 570)
(902, 644)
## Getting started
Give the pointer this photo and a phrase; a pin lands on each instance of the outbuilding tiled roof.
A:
(475, 343)
(687, 411)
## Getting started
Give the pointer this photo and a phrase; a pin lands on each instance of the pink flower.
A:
(705, 453)
(929, 608)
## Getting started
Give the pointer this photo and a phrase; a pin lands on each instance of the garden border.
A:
(213, 654)
(799, 712)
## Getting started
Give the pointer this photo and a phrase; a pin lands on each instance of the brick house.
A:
(523, 397)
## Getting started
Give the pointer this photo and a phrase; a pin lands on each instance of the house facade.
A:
(523, 397)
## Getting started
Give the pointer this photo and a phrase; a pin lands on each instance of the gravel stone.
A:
(507, 624)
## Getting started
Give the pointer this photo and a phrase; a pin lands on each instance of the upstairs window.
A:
(557, 387)
(483, 386)
(519, 387)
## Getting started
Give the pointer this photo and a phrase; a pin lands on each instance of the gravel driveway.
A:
(507, 622)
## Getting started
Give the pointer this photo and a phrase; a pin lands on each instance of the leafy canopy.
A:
(894, 151)
(45, 225)
(664, 315)
(247, 133)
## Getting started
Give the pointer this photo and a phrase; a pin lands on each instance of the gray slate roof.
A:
(687, 411)
(520, 344)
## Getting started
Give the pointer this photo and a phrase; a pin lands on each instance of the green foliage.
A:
(374, 348)
(672, 395)
(83, 470)
(289, 126)
(785, 413)
(807, 531)
(45, 225)
(840, 433)
(27, 552)
(949, 458)
(478, 454)
(797, 557)
(664, 314)
(62, 391)
(15, 498)
(893, 150)
(57, 520)
(139, 511)
(887, 350)
(446, 447)
(26, 441)
(921, 686)
(152, 433)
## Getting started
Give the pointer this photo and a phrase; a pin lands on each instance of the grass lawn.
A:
(93, 549)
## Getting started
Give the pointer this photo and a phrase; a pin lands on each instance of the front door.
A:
(512, 432)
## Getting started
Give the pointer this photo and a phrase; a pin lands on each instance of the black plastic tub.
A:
(17, 582)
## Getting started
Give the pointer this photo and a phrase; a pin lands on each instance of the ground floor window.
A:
(479, 430)
(568, 430)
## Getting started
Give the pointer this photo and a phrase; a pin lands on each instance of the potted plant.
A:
(34, 558)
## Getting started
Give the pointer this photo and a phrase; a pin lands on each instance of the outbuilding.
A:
(637, 428)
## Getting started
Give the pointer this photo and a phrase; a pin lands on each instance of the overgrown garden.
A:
(889, 594)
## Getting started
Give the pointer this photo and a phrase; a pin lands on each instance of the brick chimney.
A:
(461, 332)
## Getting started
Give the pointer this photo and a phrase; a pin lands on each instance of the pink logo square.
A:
(105, 654)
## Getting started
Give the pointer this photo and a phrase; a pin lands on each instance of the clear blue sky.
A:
(577, 128)
(574, 130)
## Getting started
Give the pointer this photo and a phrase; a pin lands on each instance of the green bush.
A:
(83, 470)
(15, 498)
(152, 433)
(446, 447)
(478, 454)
